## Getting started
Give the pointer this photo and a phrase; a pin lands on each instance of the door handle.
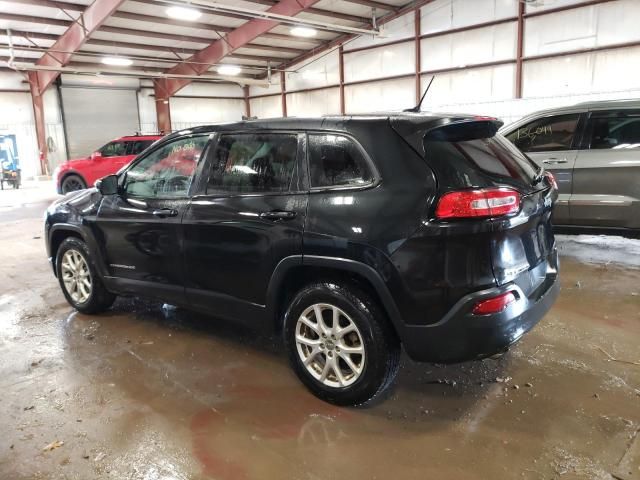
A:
(277, 215)
(165, 212)
(554, 161)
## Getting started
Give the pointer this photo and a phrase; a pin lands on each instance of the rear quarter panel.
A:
(369, 224)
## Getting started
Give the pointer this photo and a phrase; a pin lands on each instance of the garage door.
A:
(93, 116)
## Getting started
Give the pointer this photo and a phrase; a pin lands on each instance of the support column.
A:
(38, 115)
(418, 54)
(283, 93)
(519, 49)
(163, 110)
(247, 102)
(341, 71)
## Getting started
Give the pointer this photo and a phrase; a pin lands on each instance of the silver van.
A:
(593, 150)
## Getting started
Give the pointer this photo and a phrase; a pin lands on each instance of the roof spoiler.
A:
(449, 129)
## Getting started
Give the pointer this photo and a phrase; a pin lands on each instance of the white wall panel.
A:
(12, 81)
(540, 6)
(600, 71)
(319, 72)
(380, 96)
(266, 107)
(448, 14)
(147, 110)
(398, 29)
(190, 112)
(212, 90)
(380, 62)
(470, 47)
(471, 85)
(594, 26)
(274, 86)
(314, 104)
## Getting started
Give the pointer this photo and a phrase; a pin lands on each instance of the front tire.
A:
(79, 279)
(71, 183)
(340, 343)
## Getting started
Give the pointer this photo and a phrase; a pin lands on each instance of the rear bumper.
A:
(462, 336)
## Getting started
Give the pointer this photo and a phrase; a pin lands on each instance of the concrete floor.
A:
(151, 392)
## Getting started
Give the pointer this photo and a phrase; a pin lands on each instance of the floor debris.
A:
(53, 446)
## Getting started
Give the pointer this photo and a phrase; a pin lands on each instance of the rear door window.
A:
(336, 161)
(136, 147)
(614, 130)
(114, 149)
(254, 163)
(549, 134)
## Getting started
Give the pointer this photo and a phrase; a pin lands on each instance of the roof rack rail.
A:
(143, 134)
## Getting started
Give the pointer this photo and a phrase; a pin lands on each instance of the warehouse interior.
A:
(149, 390)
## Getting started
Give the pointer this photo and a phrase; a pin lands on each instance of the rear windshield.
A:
(498, 156)
(481, 148)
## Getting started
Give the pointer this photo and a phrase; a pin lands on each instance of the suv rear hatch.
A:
(482, 178)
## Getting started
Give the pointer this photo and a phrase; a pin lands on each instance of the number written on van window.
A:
(546, 134)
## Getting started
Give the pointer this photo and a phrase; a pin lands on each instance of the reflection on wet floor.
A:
(148, 391)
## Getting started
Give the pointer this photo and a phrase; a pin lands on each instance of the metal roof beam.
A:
(72, 39)
(73, 7)
(321, 11)
(410, 7)
(224, 47)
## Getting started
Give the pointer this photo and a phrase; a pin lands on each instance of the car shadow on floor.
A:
(421, 389)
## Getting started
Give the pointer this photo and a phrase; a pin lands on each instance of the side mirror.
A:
(108, 185)
(96, 155)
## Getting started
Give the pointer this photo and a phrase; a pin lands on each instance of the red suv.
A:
(83, 172)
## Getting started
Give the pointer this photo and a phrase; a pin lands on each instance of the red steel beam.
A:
(75, 36)
(234, 40)
(38, 115)
(163, 110)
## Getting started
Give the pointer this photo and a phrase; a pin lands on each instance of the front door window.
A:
(168, 171)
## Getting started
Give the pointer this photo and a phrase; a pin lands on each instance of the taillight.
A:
(487, 202)
(552, 179)
(494, 305)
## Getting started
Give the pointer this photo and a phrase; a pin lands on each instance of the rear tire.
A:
(348, 364)
(79, 278)
(71, 183)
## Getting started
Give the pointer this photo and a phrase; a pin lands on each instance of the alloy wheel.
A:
(76, 276)
(72, 184)
(330, 345)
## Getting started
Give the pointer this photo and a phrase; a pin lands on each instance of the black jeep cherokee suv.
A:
(351, 235)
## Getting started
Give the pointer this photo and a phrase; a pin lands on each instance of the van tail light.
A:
(552, 179)
(487, 202)
(494, 304)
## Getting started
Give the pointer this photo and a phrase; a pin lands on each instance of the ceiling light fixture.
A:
(117, 61)
(306, 32)
(229, 70)
(184, 13)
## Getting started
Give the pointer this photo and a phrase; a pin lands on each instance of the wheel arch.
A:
(295, 271)
(61, 231)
